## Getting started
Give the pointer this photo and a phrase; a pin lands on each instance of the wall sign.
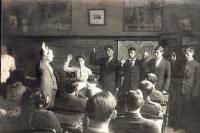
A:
(55, 15)
(143, 15)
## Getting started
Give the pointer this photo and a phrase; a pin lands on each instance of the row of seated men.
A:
(89, 111)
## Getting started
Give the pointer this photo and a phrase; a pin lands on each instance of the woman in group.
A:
(81, 71)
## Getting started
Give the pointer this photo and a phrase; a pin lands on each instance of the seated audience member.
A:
(15, 88)
(69, 100)
(34, 116)
(69, 109)
(156, 95)
(91, 88)
(149, 109)
(100, 109)
(132, 121)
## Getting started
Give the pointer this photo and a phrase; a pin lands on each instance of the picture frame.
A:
(96, 17)
(185, 23)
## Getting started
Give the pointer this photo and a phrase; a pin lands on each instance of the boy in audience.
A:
(156, 95)
(69, 101)
(149, 109)
(133, 122)
(91, 88)
(100, 109)
(16, 87)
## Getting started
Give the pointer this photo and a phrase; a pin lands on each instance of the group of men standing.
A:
(119, 77)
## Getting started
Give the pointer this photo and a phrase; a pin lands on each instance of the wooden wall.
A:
(82, 37)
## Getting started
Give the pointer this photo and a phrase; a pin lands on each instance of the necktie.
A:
(132, 62)
(157, 62)
(186, 69)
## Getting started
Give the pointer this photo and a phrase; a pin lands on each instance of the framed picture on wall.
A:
(185, 24)
(96, 16)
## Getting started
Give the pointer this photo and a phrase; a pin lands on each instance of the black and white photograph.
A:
(100, 66)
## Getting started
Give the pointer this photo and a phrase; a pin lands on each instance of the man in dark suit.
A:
(132, 121)
(109, 68)
(130, 70)
(144, 63)
(189, 91)
(47, 79)
(162, 69)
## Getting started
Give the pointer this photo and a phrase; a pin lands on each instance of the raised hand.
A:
(45, 48)
(122, 61)
(69, 57)
(94, 50)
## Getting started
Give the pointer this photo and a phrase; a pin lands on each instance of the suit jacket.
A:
(109, 72)
(69, 103)
(134, 123)
(190, 74)
(45, 119)
(144, 67)
(156, 96)
(47, 81)
(151, 110)
(163, 73)
(131, 76)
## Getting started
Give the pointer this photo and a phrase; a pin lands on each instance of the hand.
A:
(164, 92)
(69, 57)
(122, 61)
(94, 50)
(116, 90)
(45, 48)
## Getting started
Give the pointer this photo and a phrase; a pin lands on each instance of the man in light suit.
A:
(162, 69)
(189, 91)
(47, 79)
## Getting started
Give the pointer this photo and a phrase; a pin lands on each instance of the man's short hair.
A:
(109, 47)
(81, 57)
(93, 79)
(159, 48)
(132, 49)
(189, 49)
(100, 106)
(151, 77)
(146, 87)
(134, 99)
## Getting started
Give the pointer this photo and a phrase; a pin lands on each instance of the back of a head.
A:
(16, 76)
(134, 99)
(93, 79)
(146, 87)
(151, 77)
(100, 106)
